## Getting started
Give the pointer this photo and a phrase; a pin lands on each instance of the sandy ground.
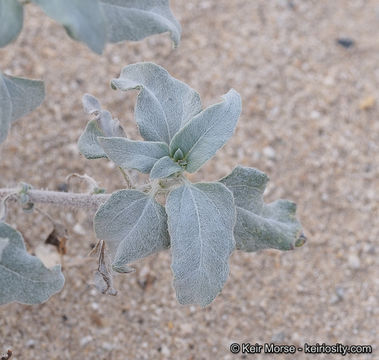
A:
(310, 121)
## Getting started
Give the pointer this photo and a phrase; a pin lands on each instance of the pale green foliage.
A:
(169, 111)
(131, 154)
(207, 132)
(136, 19)
(164, 104)
(164, 167)
(18, 97)
(11, 19)
(91, 105)
(102, 125)
(206, 221)
(96, 22)
(259, 225)
(82, 19)
(23, 278)
(133, 224)
(201, 220)
(3, 244)
(88, 144)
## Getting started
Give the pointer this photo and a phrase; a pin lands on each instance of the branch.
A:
(58, 198)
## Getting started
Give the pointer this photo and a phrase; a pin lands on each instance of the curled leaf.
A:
(58, 239)
(102, 125)
(90, 104)
(103, 278)
(259, 225)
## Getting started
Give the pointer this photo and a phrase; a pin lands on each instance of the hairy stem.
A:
(57, 198)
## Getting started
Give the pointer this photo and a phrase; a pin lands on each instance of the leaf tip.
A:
(302, 239)
(123, 268)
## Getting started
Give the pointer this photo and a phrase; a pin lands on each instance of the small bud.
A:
(178, 155)
(301, 240)
(97, 191)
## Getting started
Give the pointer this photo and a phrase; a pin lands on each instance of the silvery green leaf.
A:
(90, 104)
(164, 104)
(201, 218)
(247, 186)
(136, 19)
(11, 20)
(130, 154)
(23, 278)
(82, 19)
(259, 225)
(110, 127)
(3, 244)
(88, 144)
(200, 138)
(3, 210)
(25, 95)
(164, 167)
(102, 125)
(5, 110)
(18, 96)
(133, 226)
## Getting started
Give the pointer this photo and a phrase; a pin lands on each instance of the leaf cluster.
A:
(201, 223)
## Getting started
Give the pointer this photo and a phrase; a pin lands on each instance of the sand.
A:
(310, 121)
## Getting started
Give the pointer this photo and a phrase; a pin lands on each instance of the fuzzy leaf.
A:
(200, 138)
(259, 225)
(3, 244)
(88, 143)
(109, 126)
(164, 104)
(90, 104)
(201, 218)
(82, 19)
(247, 186)
(23, 278)
(130, 154)
(18, 96)
(136, 19)
(164, 167)
(11, 20)
(25, 95)
(133, 226)
(103, 125)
